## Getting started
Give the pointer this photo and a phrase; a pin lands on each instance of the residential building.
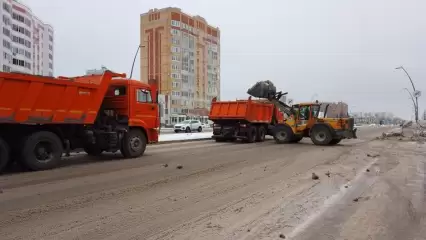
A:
(27, 41)
(181, 55)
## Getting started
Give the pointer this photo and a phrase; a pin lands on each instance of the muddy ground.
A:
(226, 191)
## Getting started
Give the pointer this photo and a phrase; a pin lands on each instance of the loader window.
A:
(305, 112)
(315, 111)
(143, 96)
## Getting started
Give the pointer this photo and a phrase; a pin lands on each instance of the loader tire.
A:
(261, 134)
(335, 141)
(296, 139)
(41, 151)
(283, 134)
(321, 135)
(134, 144)
(4, 154)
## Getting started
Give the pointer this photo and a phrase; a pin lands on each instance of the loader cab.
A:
(306, 115)
(134, 104)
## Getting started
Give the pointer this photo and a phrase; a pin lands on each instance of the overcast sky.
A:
(333, 50)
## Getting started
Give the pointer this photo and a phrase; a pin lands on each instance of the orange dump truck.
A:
(248, 120)
(43, 117)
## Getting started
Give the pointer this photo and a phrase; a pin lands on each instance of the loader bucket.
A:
(262, 89)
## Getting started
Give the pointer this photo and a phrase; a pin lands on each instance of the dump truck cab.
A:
(134, 104)
(43, 117)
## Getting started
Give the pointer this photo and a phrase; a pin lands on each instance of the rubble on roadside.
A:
(407, 131)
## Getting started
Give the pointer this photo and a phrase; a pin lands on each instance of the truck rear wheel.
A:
(134, 144)
(4, 154)
(251, 134)
(41, 151)
(283, 134)
(321, 135)
(261, 133)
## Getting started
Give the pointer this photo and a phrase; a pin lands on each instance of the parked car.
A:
(188, 126)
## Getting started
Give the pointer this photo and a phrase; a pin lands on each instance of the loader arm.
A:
(283, 107)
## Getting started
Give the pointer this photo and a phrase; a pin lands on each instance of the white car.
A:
(188, 126)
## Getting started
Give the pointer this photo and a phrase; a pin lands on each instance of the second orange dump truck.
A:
(249, 120)
(43, 117)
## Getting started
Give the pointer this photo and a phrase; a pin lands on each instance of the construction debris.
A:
(262, 89)
(179, 167)
(373, 155)
(408, 131)
(314, 176)
(282, 236)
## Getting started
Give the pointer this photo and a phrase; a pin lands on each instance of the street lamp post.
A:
(134, 60)
(416, 94)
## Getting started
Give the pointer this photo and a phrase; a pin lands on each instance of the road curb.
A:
(184, 140)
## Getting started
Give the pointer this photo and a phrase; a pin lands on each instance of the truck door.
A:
(145, 108)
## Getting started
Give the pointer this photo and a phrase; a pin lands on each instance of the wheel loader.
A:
(302, 119)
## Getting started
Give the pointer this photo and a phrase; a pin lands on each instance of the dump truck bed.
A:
(254, 111)
(31, 99)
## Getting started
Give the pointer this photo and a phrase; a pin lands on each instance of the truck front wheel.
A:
(134, 144)
(4, 154)
(41, 151)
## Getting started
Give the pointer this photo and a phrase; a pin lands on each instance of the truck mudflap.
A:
(348, 133)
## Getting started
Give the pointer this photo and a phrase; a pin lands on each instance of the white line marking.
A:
(330, 202)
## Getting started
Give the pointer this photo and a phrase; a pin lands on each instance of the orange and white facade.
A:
(181, 54)
(26, 42)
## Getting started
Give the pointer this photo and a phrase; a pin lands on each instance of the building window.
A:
(6, 44)
(175, 93)
(6, 20)
(6, 31)
(175, 84)
(175, 58)
(6, 68)
(143, 96)
(50, 56)
(50, 47)
(21, 30)
(175, 49)
(175, 102)
(175, 75)
(175, 41)
(175, 67)
(50, 38)
(7, 7)
(50, 65)
(175, 23)
(175, 32)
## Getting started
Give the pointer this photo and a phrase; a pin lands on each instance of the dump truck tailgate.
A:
(46, 100)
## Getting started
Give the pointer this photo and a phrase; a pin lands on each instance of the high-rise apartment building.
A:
(181, 54)
(27, 41)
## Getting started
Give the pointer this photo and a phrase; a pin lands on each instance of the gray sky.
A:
(339, 50)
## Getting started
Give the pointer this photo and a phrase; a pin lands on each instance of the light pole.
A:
(134, 60)
(416, 94)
